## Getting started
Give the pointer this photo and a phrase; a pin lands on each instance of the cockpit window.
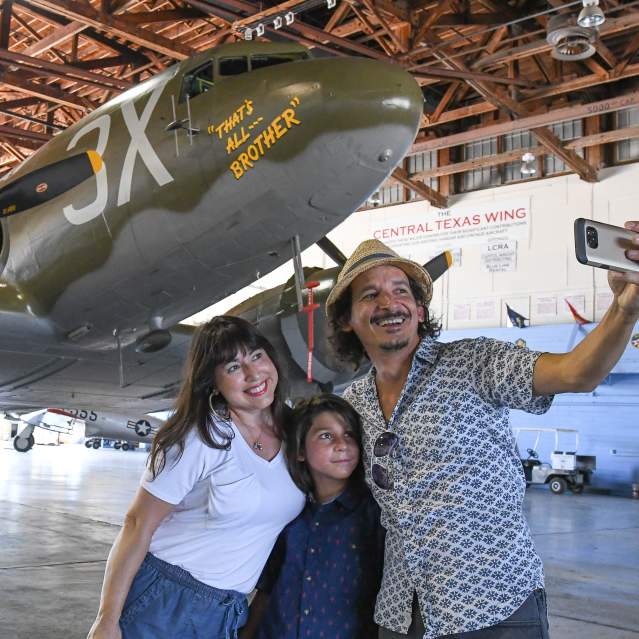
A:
(199, 81)
(261, 61)
(233, 66)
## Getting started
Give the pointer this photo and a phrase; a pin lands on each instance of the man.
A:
(439, 453)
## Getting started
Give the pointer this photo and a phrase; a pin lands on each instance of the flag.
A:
(578, 318)
(515, 318)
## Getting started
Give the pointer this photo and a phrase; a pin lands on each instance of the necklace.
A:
(257, 445)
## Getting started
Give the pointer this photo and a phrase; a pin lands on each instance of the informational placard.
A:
(499, 256)
(546, 306)
(486, 310)
(419, 230)
(461, 312)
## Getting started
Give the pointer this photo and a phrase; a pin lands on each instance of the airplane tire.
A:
(576, 489)
(23, 445)
(557, 485)
(117, 445)
(125, 446)
(96, 444)
(88, 443)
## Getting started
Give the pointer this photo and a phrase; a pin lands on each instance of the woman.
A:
(212, 501)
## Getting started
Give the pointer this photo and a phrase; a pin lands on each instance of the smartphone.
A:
(604, 245)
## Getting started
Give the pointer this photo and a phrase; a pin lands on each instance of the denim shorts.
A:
(529, 621)
(166, 602)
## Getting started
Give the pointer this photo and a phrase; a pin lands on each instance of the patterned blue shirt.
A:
(456, 533)
(324, 572)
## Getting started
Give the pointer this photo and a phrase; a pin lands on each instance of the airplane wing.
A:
(92, 378)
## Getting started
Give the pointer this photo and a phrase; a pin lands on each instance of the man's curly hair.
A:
(346, 344)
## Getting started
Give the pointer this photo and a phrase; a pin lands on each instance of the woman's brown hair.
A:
(214, 343)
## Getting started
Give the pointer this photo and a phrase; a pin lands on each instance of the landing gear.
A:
(23, 444)
(24, 441)
(96, 444)
(125, 446)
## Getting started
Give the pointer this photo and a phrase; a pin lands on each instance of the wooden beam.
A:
(67, 71)
(84, 12)
(594, 153)
(434, 197)
(162, 15)
(370, 29)
(587, 141)
(570, 86)
(58, 36)
(399, 47)
(610, 27)
(46, 92)
(24, 134)
(453, 74)
(530, 122)
(338, 15)
(5, 23)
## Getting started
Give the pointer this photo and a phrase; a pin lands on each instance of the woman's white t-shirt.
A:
(230, 507)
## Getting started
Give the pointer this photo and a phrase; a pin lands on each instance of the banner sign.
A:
(420, 231)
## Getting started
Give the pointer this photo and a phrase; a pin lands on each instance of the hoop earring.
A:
(223, 417)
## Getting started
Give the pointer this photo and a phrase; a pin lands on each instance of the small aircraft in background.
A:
(97, 425)
(170, 197)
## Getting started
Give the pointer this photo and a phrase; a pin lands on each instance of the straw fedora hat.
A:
(372, 253)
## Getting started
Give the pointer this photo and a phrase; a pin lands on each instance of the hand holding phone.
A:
(604, 245)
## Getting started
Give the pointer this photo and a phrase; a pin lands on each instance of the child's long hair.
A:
(299, 423)
(214, 343)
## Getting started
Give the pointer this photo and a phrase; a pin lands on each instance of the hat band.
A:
(368, 258)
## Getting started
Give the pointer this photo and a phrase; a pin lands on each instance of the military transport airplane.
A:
(170, 197)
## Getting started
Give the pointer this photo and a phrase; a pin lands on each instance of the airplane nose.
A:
(373, 110)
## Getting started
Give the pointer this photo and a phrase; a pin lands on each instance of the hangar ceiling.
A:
(486, 67)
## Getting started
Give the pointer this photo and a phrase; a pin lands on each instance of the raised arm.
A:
(128, 551)
(587, 365)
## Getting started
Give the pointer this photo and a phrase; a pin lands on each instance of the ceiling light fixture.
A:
(528, 164)
(375, 199)
(259, 30)
(278, 22)
(248, 34)
(289, 18)
(591, 16)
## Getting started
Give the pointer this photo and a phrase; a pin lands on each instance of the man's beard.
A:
(397, 345)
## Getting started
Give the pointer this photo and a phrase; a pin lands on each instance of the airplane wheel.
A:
(125, 446)
(577, 489)
(23, 445)
(117, 445)
(96, 444)
(88, 443)
(558, 485)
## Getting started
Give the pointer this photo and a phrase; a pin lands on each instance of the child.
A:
(323, 575)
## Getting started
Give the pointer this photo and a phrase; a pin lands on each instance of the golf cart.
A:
(566, 468)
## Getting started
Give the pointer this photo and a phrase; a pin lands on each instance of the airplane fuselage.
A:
(201, 180)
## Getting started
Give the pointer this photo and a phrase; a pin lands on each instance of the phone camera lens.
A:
(592, 239)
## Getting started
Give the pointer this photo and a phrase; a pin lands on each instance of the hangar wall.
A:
(545, 270)
(545, 273)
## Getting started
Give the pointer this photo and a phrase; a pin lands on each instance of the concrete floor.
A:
(61, 507)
